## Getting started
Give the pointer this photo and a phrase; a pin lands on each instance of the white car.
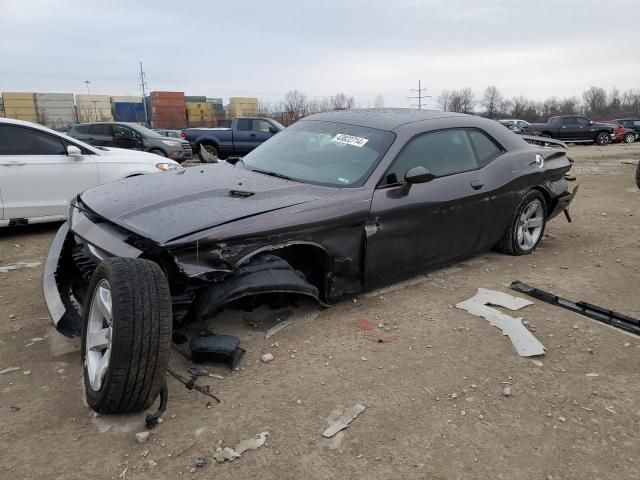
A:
(41, 170)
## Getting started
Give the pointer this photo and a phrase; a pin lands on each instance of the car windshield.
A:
(323, 153)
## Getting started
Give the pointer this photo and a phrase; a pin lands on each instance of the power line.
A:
(420, 96)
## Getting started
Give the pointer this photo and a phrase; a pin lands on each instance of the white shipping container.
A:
(54, 104)
(93, 98)
(57, 97)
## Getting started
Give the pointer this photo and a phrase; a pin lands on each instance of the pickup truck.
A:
(574, 129)
(244, 135)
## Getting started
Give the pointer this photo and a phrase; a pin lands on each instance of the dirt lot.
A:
(433, 394)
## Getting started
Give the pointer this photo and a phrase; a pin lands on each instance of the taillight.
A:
(182, 136)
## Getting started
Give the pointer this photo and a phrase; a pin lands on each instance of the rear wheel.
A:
(603, 138)
(526, 227)
(126, 335)
(629, 137)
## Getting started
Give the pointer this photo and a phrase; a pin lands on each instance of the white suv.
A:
(41, 170)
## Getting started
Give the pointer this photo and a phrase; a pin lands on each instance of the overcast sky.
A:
(363, 48)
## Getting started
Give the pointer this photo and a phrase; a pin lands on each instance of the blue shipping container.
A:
(128, 112)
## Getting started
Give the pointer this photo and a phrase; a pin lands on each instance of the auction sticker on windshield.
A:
(350, 140)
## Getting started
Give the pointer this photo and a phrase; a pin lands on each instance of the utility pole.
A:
(87, 82)
(143, 85)
(419, 95)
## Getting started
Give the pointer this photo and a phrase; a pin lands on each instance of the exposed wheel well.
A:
(314, 262)
(547, 199)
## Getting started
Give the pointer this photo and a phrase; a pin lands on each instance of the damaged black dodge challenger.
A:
(336, 204)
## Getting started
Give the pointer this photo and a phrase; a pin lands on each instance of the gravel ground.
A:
(433, 390)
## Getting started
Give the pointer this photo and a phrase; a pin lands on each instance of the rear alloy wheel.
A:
(126, 335)
(210, 154)
(629, 137)
(603, 138)
(159, 152)
(526, 227)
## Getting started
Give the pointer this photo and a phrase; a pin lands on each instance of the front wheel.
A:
(603, 138)
(629, 137)
(526, 227)
(126, 335)
(208, 153)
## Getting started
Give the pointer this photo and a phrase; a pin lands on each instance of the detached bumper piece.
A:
(615, 319)
(217, 349)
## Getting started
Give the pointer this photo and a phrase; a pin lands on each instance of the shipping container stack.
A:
(168, 110)
(128, 109)
(199, 112)
(56, 110)
(20, 106)
(218, 111)
(1, 108)
(242, 107)
(94, 108)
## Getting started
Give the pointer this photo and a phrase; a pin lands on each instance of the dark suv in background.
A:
(630, 123)
(131, 136)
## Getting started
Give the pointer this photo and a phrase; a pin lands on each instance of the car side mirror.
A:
(590, 122)
(273, 130)
(73, 151)
(415, 175)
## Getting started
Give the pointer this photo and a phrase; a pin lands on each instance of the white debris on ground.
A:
(230, 454)
(267, 358)
(298, 316)
(347, 416)
(18, 266)
(9, 370)
(142, 437)
(525, 343)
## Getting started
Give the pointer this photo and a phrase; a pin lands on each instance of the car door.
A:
(583, 130)
(101, 135)
(125, 137)
(243, 136)
(569, 129)
(435, 222)
(261, 131)
(37, 177)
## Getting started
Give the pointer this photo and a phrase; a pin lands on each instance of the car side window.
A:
(101, 129)
(244, 124)
(569, 121)
(485, 148)
(442, 153)
(24, 141)
(582, 121)
(120, 131)
(81, 129)
(261, 126)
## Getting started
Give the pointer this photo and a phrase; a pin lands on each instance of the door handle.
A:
(253, 135)
(14, 163)
(477, 184)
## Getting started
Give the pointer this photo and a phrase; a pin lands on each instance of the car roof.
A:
(381, 118)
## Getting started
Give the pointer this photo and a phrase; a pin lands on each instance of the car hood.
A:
(170, 205)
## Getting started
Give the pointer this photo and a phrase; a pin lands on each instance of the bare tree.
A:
(491, 101)
(295, 105)
(444, 100)
(550, 107)
(614, 101)
(467, 99)
(264, 109)
(342, 102)
(595, 100)
(378, 102)
(569, 105)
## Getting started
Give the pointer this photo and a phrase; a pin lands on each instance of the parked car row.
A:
(579, 129)
(41, 170)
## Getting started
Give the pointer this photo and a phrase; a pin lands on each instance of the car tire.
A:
(126, 335)
(629, 137)
(603, 138)
(157, 151)
(211, 149)
(521, 237)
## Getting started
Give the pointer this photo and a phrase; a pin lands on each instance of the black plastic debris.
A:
(615, 319)
(200, 463)
(217, 349)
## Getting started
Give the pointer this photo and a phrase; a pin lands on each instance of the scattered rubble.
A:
(506, 391)
(18, 266)
(9, 370)
(267, 358)
(348, 415)
(142, 437)
(230, 454)
(525, 343)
